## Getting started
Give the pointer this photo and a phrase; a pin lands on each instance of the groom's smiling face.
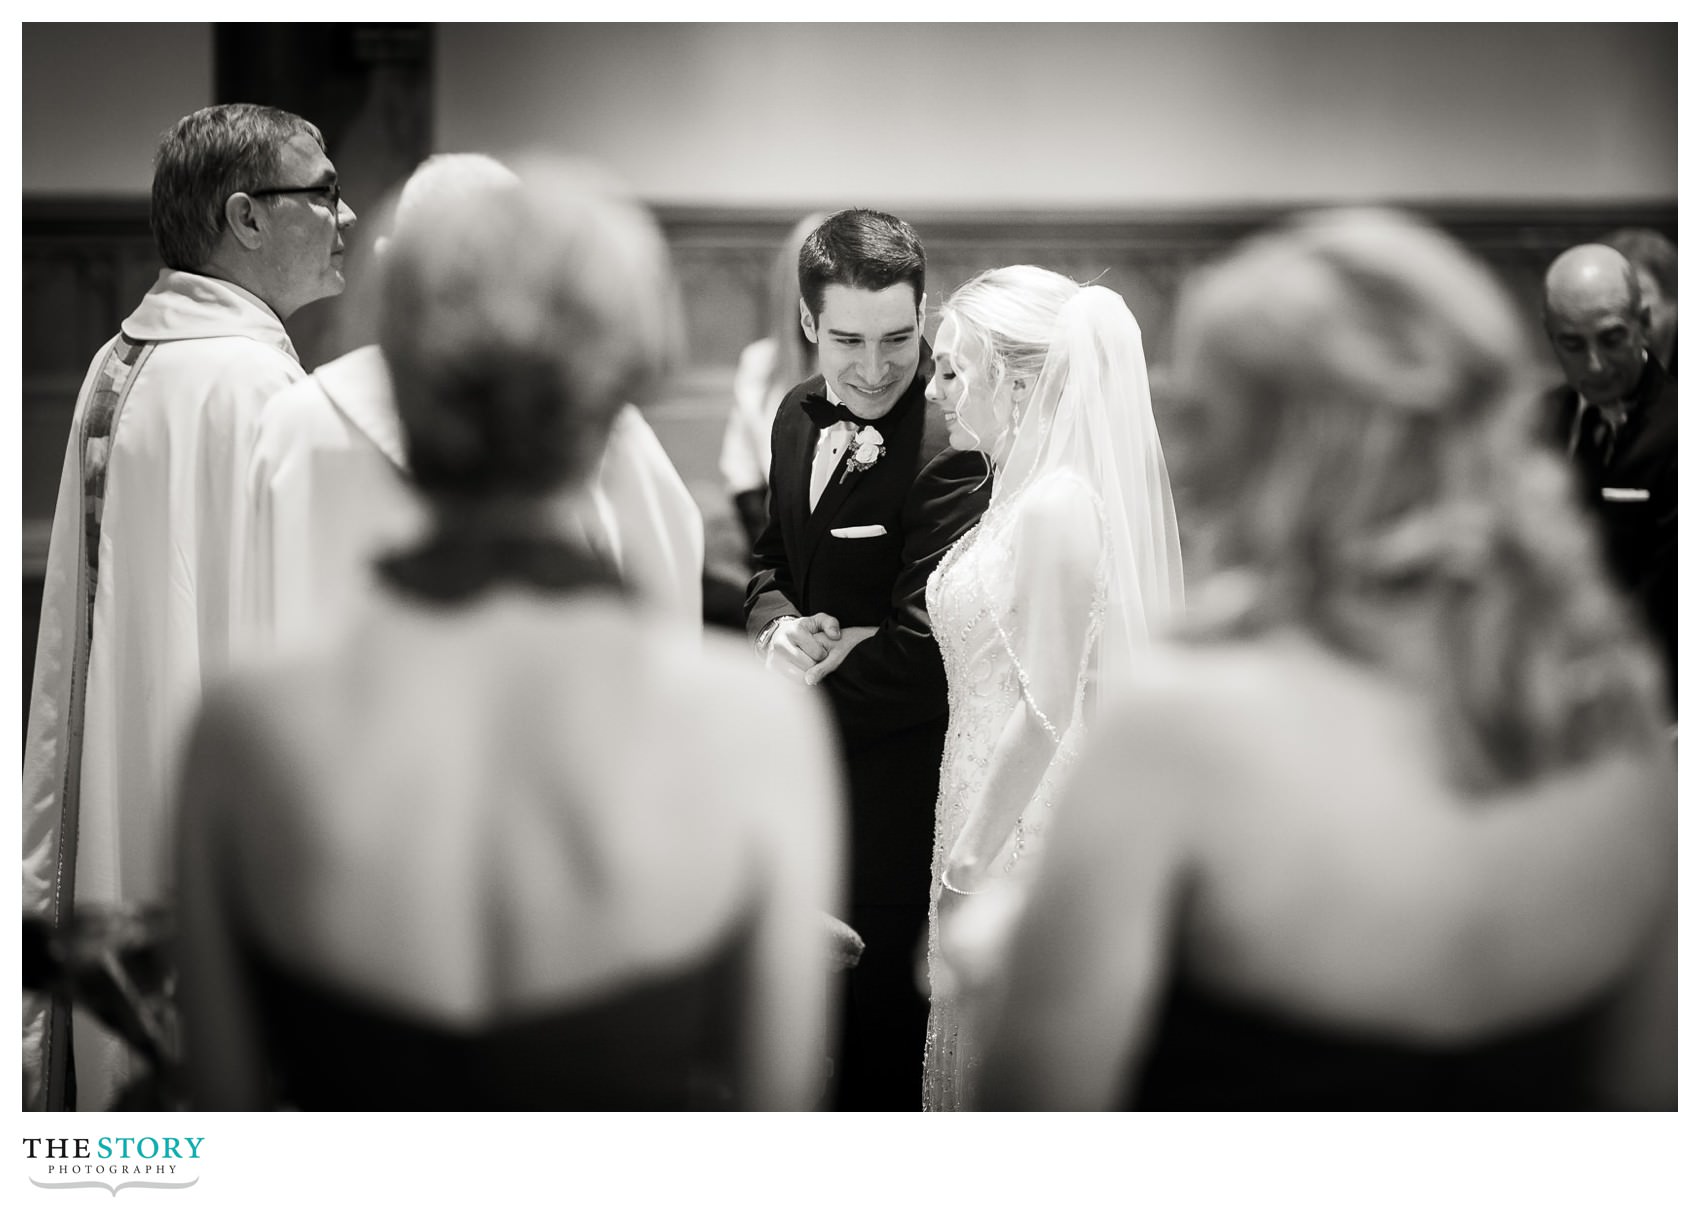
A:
(869, 343)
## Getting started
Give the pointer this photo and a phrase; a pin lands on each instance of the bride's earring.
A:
(1018, 396)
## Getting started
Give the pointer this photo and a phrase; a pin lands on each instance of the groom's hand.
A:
(797, 644)
(837, 651)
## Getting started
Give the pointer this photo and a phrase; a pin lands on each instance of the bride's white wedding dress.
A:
(1039, 612)
(975, 599)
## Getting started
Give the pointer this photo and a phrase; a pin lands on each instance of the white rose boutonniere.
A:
(865, 451)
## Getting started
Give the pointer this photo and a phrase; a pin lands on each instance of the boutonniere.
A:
(865, 451)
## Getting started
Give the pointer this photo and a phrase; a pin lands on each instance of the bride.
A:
(1043, 608)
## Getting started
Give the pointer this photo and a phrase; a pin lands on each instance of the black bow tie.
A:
(825, 413)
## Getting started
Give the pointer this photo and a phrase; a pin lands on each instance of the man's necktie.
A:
(1598, 434)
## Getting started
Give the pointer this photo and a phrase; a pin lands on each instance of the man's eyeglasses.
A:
(332, 193)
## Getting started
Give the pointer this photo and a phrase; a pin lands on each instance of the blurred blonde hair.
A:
(447, 174)
(516, 321)
(435, 177)
(1370, 453)
(794, 353)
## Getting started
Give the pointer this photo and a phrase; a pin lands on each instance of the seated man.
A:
(1616, 420)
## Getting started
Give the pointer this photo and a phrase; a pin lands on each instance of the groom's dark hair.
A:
(868, 250)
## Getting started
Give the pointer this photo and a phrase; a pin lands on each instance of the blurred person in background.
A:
(1046, 606)
(1616, 418)
(441, 865)
(1394, 826)
(767, 369)
(330, 469)
(145, 562)
(1654, 257)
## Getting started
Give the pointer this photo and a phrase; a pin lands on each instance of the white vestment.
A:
(747, 445)
(650, 522)
(166, 561)
(330, 493)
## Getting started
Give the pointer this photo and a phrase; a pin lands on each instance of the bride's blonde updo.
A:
(1365, 467)
(1009, 316)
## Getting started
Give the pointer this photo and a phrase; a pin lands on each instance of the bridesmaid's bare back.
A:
(532, 777)
(1354, 884)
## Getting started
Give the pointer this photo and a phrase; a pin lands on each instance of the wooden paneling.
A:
(86, 263)
(723, 256)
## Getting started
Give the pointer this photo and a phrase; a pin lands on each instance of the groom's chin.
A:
(872, 408)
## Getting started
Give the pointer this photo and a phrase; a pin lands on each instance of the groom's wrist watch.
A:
(766, 637)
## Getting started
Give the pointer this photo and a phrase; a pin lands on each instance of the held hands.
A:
(808, 648)
(798, 644)
(837, 651)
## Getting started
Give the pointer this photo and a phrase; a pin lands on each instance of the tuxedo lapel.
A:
(901, 428)
(837, 489)
(793, 461)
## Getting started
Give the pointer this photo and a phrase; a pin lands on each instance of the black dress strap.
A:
(451, 568)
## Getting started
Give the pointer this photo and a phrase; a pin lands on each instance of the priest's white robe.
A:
(170, 567)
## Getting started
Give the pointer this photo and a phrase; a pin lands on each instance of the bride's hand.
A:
(973, 932)
(941, 980)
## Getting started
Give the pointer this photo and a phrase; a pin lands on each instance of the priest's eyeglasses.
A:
(332, 193)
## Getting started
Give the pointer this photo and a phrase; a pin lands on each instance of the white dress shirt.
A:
(829, 449)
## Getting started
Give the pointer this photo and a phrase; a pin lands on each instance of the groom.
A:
(865, 496)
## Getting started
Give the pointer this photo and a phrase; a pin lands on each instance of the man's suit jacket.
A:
(888, 697)
(1633, 498)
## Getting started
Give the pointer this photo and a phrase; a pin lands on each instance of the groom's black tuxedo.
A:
(888, 697)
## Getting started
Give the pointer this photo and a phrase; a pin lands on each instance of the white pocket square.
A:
(1624, 494)
(857, 532)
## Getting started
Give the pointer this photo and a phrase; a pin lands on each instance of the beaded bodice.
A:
(980, 607)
